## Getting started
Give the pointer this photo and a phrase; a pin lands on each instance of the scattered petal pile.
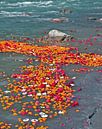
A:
(40, 92)
(55, 54)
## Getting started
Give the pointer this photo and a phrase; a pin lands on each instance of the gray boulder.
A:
(58, 35)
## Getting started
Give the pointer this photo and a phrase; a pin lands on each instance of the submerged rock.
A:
(65, 11)
(59, 20)
(92, 18)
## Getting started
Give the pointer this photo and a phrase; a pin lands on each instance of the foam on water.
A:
(27, 4)
(14, 14)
